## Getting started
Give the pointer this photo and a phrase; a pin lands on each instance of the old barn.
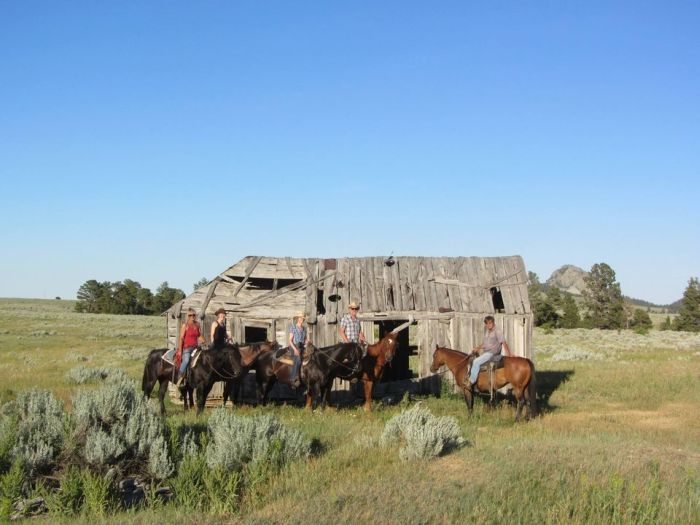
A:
(447, 296)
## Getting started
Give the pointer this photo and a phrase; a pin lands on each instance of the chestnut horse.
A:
(519, 372)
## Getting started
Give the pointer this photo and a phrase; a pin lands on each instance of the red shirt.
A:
(191, 335)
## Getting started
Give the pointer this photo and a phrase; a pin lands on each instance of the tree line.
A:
(604, 307)
(125, 297)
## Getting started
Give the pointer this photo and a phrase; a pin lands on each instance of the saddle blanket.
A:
(169, 357)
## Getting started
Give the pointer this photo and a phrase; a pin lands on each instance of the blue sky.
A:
(163, 141)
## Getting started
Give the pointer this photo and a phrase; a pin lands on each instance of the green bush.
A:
(115, 425)
(39, 428)
(100, 492)
(85, 374)
(11, 488)
(237, 441)
(425, 435)
(68, 499)
(188, 486)
(8, 436)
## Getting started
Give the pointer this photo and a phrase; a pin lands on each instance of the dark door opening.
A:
(255, 334)
(399, 367)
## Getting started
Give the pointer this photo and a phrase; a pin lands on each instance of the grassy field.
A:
(618, 440)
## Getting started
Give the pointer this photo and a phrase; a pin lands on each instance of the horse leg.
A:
(162, 389)
(368, 395)
(469, 400)
(521, 401)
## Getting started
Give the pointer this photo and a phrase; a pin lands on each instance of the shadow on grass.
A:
(547, 383)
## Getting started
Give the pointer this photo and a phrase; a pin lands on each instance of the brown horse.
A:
(373, 363)
(519, 372)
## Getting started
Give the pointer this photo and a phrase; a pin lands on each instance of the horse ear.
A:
(436, 346)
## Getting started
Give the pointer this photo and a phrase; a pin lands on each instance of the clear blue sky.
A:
(163, 141)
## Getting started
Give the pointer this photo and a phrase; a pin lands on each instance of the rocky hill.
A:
(568, 278)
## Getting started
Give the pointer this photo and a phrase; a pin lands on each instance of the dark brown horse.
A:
(270, 370)
(519, 372)
(157, 370)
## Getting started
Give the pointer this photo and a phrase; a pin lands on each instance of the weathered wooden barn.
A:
(447, 296)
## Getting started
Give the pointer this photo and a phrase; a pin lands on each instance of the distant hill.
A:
(569, 278)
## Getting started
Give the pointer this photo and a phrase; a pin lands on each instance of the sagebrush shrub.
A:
(237, 441)
(85, 374)
(39, 430)
(114, 425)
(424, 435)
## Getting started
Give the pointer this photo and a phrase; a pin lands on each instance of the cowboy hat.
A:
(353, 305)
(300, 314)
(220, 311)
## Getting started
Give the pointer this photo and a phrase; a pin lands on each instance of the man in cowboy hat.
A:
(298, 339)
(350, 328)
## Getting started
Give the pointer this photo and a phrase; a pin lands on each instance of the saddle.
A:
(282, 356)
(495, 363)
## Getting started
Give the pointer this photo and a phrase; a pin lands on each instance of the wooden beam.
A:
(276, 293)
(207, 298)
(248, 271)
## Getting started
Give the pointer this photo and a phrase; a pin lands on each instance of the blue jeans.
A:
(186, 355)
(476, 364)
(297, 361)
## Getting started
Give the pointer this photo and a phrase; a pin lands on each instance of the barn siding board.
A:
(406, 284)
(417, 285)
(443, 300)
(379, 284)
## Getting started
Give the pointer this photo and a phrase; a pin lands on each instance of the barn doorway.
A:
(400, 366)
(255, 334)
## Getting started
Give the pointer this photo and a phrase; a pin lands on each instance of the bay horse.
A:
(229, 363)
(519, 372)
(343, 360)
(157, 370)
(269, 370)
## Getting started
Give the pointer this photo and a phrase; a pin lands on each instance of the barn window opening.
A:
(281, 283)
(255, 334)
(497, 300)
(267, 283)
(320, 307)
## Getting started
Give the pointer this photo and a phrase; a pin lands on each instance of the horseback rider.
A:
(190, 337)
(490, 348)
(298, 339)
(218, 335)
(350, 328)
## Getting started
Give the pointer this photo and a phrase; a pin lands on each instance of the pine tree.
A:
(603, 298)
(570, 317)
(689, 312)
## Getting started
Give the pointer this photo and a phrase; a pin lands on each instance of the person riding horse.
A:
(490, 348)
(218, 336)
(297, 340)
(190, 337)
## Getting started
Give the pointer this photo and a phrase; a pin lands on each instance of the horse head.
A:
(437, 360)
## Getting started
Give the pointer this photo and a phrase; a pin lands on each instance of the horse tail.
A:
(532, 390)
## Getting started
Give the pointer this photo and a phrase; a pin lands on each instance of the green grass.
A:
(618, 440)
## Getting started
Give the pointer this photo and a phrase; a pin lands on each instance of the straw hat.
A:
(353, 306)
(300, 314)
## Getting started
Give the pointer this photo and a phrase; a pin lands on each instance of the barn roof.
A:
(269, 287)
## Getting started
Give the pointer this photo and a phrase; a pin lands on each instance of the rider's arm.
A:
(182, 337)
(291, 342)
(362, 336)
(341, 331)
(211, 332)
(201, 338)
(506, 348)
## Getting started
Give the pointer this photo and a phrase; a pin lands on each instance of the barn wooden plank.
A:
(368, 286)
(379, 284)
(431, 296)
(406, 285)
(397, 285)
(443, 301)
(311, 306)
(248, 271)
(417, 285)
